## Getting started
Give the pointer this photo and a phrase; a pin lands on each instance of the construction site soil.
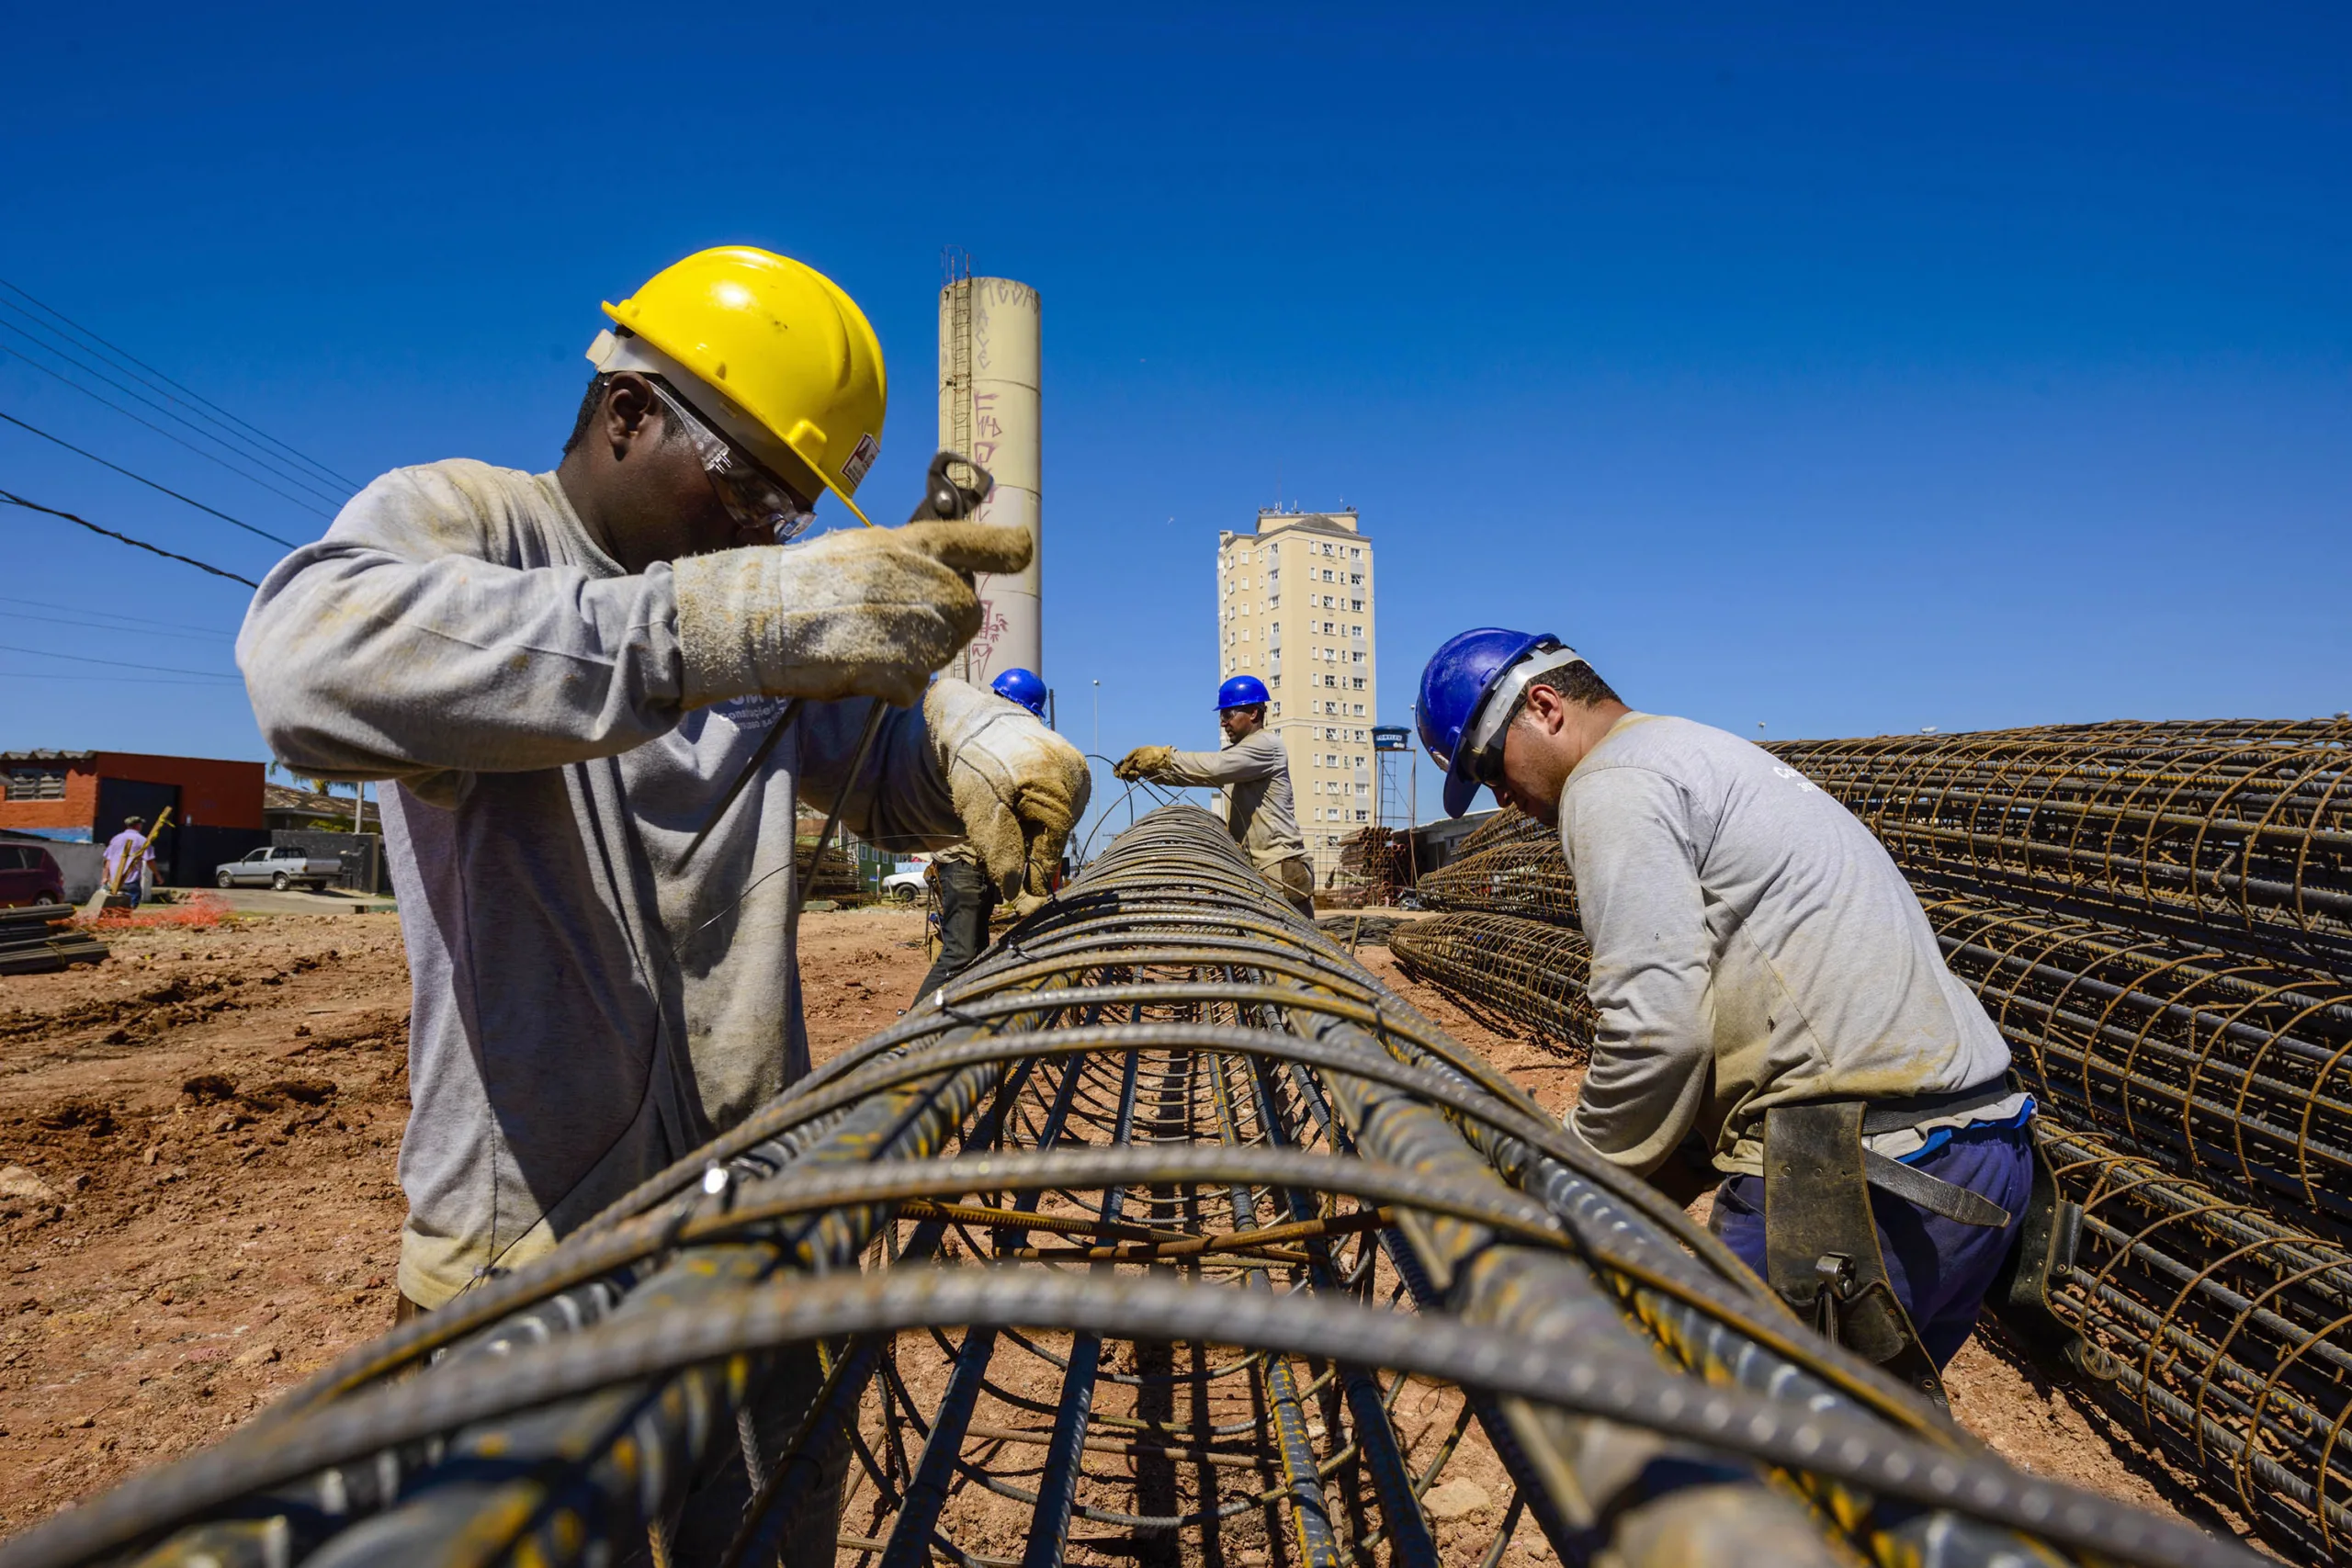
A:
(203, 1205)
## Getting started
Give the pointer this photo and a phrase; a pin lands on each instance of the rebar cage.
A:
(1167, 1233)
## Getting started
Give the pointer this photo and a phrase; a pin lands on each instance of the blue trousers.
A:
(1939, 1267)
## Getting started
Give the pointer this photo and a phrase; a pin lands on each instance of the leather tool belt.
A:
(1821, 1245)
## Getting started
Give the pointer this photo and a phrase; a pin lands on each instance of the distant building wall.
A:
(213, 793)
(57, 794)
(60, 794)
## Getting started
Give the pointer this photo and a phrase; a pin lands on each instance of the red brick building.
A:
(84, 795)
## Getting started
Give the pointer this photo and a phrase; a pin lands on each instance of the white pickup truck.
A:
(280, 869)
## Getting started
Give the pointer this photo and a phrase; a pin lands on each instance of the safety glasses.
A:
(752, 498)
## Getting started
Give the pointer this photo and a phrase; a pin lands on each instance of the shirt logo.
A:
(751, 712)
(1802, 782)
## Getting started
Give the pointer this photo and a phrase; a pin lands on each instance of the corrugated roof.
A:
(46, 756)
(309, 802)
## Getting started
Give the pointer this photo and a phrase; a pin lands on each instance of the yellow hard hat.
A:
(774, 353)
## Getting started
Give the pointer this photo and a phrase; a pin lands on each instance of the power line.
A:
(14, 500)
(119, 663)
(121, 631)
(183, 441)
(150, 484)
(238, 446)
(111, 616)
(122, 354)
(113, 680)
(41, 334)
(116, 663)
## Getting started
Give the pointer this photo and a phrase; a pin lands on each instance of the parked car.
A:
(280, 869)
(29, 874)
(903, 886)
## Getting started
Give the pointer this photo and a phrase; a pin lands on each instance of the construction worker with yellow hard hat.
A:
(559, 676)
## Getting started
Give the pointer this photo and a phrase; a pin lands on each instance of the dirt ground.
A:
(204, 1208)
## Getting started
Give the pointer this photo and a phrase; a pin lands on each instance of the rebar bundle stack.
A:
(1165, 1232)
(833, 877)
(2224, 1333)
(2219, 827)
(37, 938)
(1375, 863)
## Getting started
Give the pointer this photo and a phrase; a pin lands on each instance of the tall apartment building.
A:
(1294, 609)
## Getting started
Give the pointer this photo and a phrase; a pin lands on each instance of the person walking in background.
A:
(131, 861)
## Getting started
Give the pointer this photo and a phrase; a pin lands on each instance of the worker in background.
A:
(966, 893)
(558, 675)
(131, 861)
(1254, 768)
(1770, 997)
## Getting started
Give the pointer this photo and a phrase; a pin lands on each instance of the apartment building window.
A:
(1364, 816)
(1278, 707)
(1359, 710)
(1355, 682)
(1357, 605)
(1356, 579)
(1355, 552)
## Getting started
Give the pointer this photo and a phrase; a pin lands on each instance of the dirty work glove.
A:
(1144, 762)
(1018, 786)
(857, 613)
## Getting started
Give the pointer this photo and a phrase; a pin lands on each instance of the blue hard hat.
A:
(1022, 686)
(1241, 692)
(1455, 686)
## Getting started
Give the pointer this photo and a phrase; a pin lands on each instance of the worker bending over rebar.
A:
(1772, 1010)
(1253, 767)
(561, 674)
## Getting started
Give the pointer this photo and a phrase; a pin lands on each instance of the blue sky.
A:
(1856, 370)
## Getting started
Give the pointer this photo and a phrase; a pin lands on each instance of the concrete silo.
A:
(988, 337)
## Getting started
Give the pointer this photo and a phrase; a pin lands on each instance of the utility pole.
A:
(1097, 747)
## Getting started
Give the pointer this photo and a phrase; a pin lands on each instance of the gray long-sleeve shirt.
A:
(1752, 945)
(586, 1009)
(1255, 773)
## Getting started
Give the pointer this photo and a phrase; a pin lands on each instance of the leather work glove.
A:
(1142, 761)
(857, 613)
(1018, 786)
